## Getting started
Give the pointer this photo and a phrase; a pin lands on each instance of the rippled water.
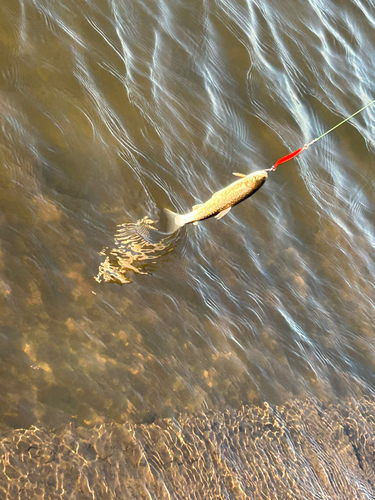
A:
(111, 110)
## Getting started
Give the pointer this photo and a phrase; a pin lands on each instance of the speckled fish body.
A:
(220, 202)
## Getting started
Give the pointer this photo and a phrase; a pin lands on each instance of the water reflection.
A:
(139, 245)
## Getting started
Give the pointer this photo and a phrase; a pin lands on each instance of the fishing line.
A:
(298, 151)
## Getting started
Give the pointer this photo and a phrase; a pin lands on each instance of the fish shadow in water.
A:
(138, 246)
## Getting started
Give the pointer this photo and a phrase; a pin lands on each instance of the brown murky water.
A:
(111, 110)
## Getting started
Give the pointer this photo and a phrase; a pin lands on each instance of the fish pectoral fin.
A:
(237, 174)
(197, 206)
(196, 223)
(222, 213)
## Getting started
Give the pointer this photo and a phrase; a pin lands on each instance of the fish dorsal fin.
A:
(197, 206)
(222, 213)
(237, 174)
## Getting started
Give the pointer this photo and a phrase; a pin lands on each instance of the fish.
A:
(220, 202)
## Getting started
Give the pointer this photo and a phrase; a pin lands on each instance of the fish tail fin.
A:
(173, 221)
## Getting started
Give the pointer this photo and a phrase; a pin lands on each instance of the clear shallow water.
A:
(110, 111)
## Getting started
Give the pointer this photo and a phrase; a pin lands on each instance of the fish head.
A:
(257, 179)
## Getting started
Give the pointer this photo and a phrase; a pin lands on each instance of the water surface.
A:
(112, 110)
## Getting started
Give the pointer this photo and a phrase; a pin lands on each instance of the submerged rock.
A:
(302, 450)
